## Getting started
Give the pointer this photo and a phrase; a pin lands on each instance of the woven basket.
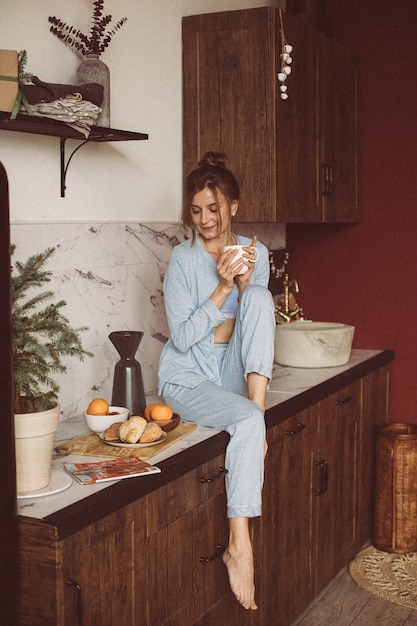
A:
(395, 528)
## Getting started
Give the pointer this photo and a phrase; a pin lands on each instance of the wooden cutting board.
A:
(90, 444)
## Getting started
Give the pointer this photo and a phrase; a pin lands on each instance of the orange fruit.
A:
(148, 410)
(158, 411)
(98, 406)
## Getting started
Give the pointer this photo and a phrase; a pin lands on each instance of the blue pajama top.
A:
(188, 357)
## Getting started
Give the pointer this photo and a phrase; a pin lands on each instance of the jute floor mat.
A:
(388, 576)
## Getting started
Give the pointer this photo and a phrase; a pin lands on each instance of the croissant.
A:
(112, 432)
(151, 433)
(131, 430)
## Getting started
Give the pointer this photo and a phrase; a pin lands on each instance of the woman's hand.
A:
(243, 279)
(228, 269)
(228, 272)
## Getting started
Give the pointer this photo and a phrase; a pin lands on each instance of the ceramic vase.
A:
(128, 388)
(93, 70)
(34, 445)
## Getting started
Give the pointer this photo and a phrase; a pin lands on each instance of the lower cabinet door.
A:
(170, 576)
(188, 532)
(186, 575)
(375, 411)
(334, 483)
(98, 571)
(286, 585)
(210, 538)
(215, 603)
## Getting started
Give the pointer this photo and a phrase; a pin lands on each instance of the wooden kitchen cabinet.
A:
(296, 159)
(101, 560)
(334, 484)
(337, 164)
(286, 522)
(375, 414)
(188, 532)
(317, 125)
(157, 560)
(309, 521)
(85, 579)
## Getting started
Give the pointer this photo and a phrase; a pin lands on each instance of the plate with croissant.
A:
(135, 432)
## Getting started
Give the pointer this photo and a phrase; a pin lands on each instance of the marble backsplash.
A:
(110, 276)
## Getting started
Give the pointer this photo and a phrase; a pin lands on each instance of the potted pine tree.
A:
(42, 336)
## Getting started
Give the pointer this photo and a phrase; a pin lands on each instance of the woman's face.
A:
(211, 215)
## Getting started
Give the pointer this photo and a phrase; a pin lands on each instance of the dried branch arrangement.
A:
(98, 39)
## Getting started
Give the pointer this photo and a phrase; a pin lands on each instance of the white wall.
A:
(139, 180)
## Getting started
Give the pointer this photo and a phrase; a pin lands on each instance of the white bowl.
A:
(313, 344)
(99, 423)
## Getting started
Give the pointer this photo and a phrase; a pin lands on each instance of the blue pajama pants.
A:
(224, 404)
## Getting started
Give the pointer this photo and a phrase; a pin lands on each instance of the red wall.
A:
(366, 274)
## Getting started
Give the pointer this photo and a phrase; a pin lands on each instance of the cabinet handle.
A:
(323, 476)
(206, 559)
(221, 474)
(73, 583)
(343, 400)
(296, 430)
(327, 182)
(330, 180)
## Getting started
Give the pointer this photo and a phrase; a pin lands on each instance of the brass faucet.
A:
(288, 308)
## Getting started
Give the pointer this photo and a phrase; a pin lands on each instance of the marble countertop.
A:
(287, 383)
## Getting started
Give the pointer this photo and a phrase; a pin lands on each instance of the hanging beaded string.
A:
(286, 60)
(278, 272)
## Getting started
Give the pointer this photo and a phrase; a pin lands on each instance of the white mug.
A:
(239, 255)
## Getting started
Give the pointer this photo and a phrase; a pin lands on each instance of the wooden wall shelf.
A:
(51, 128)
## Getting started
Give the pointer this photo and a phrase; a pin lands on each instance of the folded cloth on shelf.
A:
(47, 92)
(78, 114)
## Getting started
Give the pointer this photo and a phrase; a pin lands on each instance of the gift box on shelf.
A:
(9, 79)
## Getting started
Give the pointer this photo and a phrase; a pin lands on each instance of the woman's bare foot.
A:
(238, 559)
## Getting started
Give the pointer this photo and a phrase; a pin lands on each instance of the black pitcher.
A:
(128, 388)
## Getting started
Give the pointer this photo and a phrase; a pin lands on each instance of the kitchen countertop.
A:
(291, 390)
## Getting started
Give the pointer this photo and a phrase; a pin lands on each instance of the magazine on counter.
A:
(111, 469)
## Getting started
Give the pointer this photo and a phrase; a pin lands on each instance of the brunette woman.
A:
(214, 369)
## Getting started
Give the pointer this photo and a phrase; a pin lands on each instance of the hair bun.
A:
(213, 159)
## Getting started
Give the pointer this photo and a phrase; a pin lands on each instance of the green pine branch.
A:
(42, 336)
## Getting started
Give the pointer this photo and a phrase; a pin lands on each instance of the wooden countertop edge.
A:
(89, 510)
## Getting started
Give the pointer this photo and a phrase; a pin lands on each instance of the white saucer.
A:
(121, 444)
(59, 482)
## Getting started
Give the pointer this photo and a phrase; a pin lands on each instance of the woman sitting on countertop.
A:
(215, 368)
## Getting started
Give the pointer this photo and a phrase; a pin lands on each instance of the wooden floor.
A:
(343, 603)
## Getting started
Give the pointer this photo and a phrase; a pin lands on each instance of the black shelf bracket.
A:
(64, 165)
(50, 128)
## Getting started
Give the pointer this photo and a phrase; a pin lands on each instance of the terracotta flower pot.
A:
(34, 443)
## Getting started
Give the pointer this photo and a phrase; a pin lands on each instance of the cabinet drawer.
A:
(184, 494)
(345, 402)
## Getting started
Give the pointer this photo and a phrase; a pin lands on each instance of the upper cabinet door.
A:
(298, 128)
(229, 99)
(338, 133)
(282, 151)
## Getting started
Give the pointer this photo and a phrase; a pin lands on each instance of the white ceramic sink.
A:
(313, 344)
